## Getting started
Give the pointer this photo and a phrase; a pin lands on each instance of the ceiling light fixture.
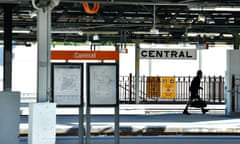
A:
(153, 30)
(225, 8)
(95, 37)
(201, 18)
(18, 31)
(80, 33)
(217, 8)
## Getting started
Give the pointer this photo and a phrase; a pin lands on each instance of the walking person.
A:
(194, 88)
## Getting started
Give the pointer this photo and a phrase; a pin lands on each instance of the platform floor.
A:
(147, 120)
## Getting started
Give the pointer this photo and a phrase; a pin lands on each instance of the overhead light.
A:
(144, 32)
(194, 34)
(225, 8)
(228, 35)
(18, 31)
(201, 18)
(153, 30)
(80, 33)
(68, 32)
(217, 8)
(95, 37)
(65, 32)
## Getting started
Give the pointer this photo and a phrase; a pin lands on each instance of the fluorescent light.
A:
(18, 31)
(218, 8)
(65, 32)
(227, 8)
(228, 35)
(21, 31)
(191, 34)
(149, 32)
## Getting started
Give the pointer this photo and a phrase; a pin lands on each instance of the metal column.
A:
(7, 75)
(44, 45)
(137, 71)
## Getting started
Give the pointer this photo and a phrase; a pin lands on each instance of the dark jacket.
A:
(195, 86)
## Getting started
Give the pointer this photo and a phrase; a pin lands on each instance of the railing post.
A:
(220, 89)
(188, 87)
(182, 87)
(125, 89)
(144, 89)
(130, 87)
(210, 88)
(214, 88)
(204, 88)
(233, 93)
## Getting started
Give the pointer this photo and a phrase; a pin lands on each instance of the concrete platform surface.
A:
(153, 123)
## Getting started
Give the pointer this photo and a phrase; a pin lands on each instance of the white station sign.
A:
(180, 54)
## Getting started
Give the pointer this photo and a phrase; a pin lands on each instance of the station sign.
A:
(178, 54)
(84, 55)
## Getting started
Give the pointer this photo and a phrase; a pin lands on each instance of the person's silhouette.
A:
(194, 87)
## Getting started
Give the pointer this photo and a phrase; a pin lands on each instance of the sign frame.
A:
(173, 54)
(110, 80)
(84, 55)
(69, 66)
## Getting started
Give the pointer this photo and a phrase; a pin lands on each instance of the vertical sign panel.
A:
(153, 87)
(102, 84)
(168, 87)
(68, 84)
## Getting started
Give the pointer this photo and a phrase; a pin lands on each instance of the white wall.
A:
(25, 64)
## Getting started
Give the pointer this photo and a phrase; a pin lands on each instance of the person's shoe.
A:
(204, 111)
(186, 112)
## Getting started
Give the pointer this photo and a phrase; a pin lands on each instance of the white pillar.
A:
(44, 46)
(137, 72)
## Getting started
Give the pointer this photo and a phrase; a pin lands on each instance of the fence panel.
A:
(151, 89)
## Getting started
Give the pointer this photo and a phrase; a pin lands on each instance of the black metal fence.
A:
(151, 90)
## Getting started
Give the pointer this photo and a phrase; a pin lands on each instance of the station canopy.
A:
(128, 21)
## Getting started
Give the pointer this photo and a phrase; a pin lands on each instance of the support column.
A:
(44, 46)
(236, 40)
(137, 71)
(7, 75)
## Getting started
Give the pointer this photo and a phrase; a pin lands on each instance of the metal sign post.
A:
(102, 91)
(67, 85)
(80, 125)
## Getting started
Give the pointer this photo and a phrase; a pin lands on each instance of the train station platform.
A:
(146, 120)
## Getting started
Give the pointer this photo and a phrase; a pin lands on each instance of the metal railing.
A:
(152, 91)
